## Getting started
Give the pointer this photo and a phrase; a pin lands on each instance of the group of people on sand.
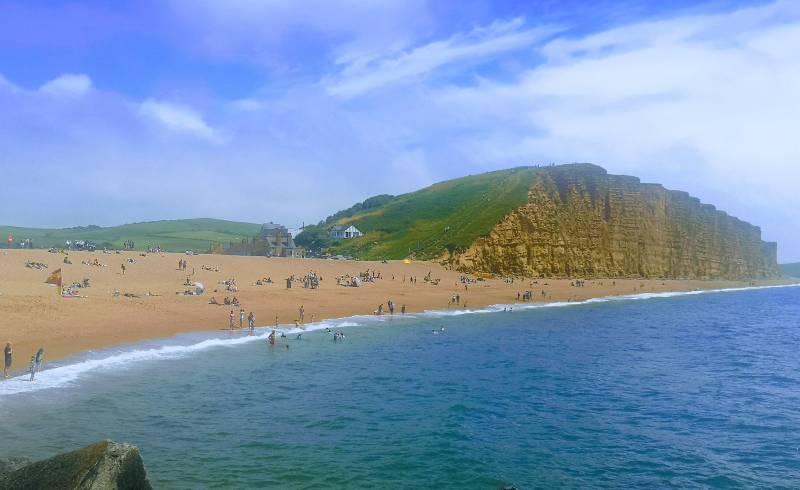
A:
(391, 306)
(251, 321)
(37, 361)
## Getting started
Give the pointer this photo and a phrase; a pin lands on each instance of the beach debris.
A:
(35, 265)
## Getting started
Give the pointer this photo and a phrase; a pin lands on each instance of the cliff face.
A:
(580, 221)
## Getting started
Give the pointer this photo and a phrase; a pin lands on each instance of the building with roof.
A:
(343, 232)
(273, 240)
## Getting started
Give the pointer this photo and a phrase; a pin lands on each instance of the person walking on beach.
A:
(241, 317)
(122, 266)
(302, 312)
(7, 351)
(32, 367)
(40, 359)
(251, 322)
(231, 321)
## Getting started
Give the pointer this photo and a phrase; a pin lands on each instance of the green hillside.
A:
(791, 270)
(448, 215)
(171, 235)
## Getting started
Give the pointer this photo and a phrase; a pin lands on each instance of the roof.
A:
(342, 227)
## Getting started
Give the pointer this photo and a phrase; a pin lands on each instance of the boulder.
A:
(104, 465)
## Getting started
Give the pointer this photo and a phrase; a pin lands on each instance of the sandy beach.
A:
(143, 304)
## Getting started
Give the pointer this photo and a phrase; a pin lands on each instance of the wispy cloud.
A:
(179, 118)
(68, 84)
(371, 72)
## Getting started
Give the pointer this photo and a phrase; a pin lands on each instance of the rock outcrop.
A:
(580, 221)
(105, 465)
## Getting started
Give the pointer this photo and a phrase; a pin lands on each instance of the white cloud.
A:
(179, 118)
(707, 104)
(367, 73)
(68, 84)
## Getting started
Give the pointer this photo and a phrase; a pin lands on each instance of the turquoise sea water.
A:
(698, 390)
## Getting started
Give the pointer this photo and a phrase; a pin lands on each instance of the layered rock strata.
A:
(580, 221)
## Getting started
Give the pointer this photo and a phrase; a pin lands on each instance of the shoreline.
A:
(72, 368)
(34, 315)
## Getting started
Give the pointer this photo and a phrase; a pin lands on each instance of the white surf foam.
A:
(68, 374)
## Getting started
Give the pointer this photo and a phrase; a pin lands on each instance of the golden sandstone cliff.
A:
(580, 221)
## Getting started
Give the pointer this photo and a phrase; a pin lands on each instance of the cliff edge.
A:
(579, 221)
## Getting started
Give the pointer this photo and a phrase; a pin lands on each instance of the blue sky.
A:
(113, 112)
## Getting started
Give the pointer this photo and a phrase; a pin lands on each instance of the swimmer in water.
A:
(298, 336)
(283, 335)
(441, 329)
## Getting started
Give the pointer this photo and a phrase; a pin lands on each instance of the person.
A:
(32, 368)
(299, 335)
(123, 269)
(271, 338)
(241, 317)
(8, 352)
(403, 309)
(251, 322)
(302, 313)
(40, 359)
(231, 320)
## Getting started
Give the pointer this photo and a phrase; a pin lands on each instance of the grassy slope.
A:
(791, 270)
(172, 235)
(415, 223)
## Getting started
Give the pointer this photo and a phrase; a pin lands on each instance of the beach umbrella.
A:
(199, 288)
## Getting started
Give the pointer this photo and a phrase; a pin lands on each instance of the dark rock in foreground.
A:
(104, 465)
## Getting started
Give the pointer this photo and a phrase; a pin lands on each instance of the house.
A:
(343, 232)
(273, 240)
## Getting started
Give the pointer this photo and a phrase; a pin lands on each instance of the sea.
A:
(683, 390)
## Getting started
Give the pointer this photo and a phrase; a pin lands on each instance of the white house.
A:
(342, 232)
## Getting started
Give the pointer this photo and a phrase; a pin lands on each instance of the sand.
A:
(32, 314)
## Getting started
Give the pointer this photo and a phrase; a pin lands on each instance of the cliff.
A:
(104, 465)
(579, 221)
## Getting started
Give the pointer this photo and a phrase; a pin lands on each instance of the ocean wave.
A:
(62, 375)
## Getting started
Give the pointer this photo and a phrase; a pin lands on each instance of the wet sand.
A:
(32, 314)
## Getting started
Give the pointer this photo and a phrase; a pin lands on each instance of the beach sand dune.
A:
(32, 314)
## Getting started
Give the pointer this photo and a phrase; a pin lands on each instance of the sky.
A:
(289, 110)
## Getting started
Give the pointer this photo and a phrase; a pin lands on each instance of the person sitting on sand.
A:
(235, 301)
